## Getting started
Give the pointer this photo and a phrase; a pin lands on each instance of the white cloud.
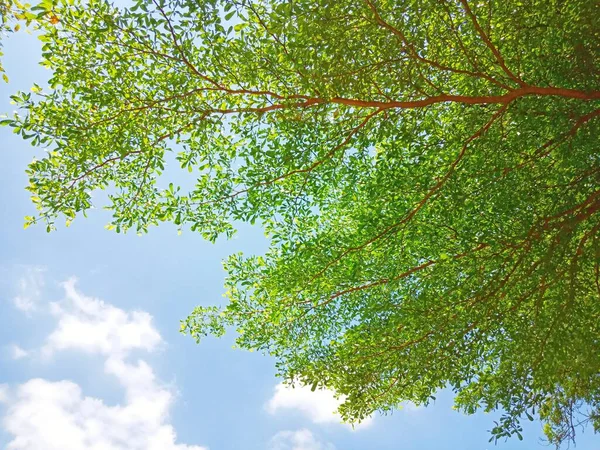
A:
(16, 352)
(29, 290)
(319, 406)
(56, 415)
(93, 326)
(46, 415)
(297, 440)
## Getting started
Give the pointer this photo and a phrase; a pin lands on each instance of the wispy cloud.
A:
(298, 440)
(29, 289)
(16, 352)
(3, 393)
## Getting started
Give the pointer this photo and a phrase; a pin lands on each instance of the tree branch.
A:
(490, 45)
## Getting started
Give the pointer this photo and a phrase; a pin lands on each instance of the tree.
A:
(427, 172)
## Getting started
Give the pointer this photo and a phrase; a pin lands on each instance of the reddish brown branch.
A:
(490, 45)
(180, 49)
(102, 164)
(432, 191)
(413, 52)
(308, 169)
(400, 276)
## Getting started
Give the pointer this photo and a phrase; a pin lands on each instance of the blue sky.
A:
(91, 356)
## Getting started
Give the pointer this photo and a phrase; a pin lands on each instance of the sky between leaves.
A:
(91, 357)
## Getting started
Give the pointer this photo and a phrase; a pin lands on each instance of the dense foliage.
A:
(428, 173)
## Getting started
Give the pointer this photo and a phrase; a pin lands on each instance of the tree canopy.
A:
(427, 172)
